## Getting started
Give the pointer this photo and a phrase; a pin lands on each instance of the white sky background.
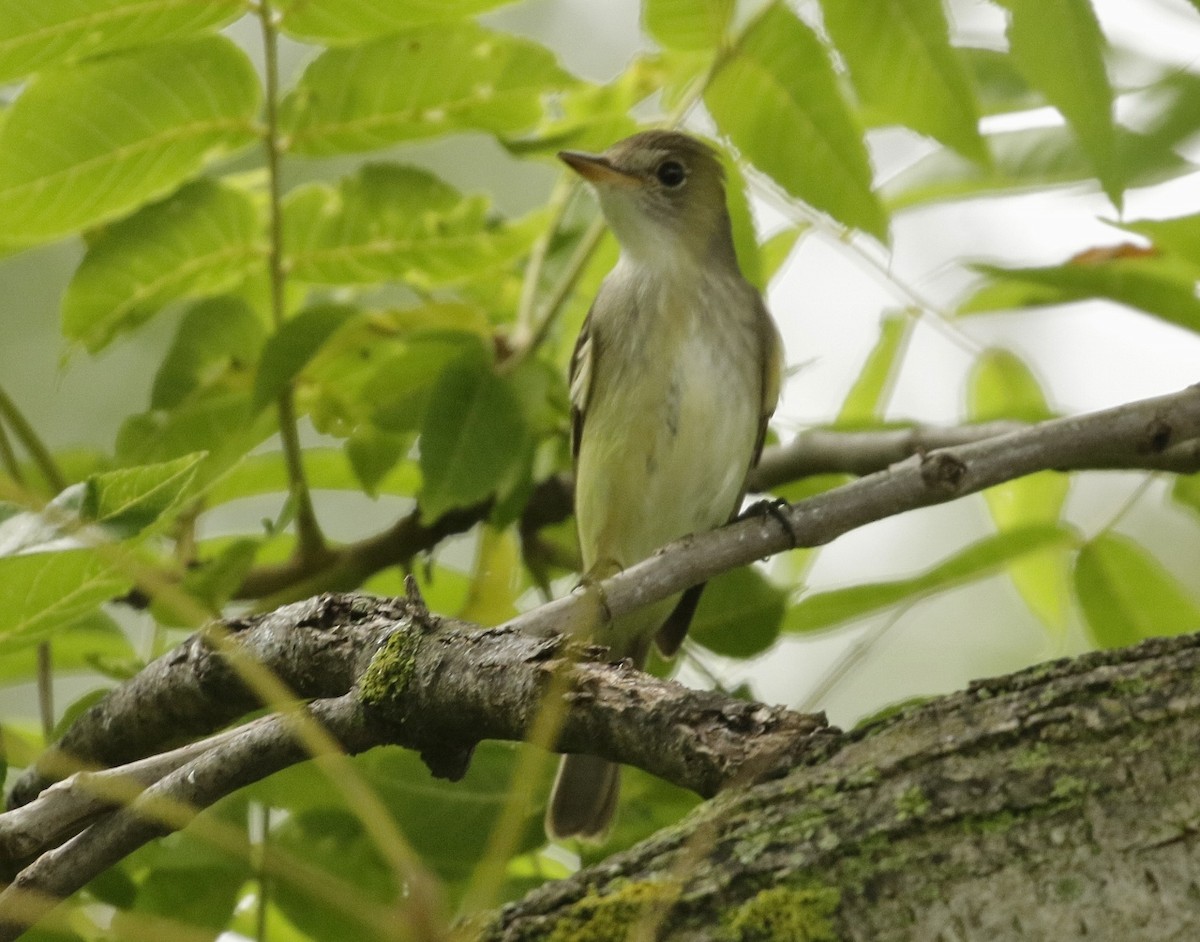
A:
(828, 302)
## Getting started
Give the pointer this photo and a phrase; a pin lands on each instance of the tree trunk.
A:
(1059, 803)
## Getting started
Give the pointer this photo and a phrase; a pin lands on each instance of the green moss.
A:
(912, 804)
(1069, 788)
(787, 914)
(1131, 686)
(1068, 888)
(610, 917)
(863, 777)
(996, 823)
(889, 712)
(1036, 757)
(391, 669)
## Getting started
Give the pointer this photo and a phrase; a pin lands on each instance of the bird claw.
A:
(592, 584)
(774, 508)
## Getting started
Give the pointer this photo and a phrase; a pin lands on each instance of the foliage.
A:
(319, 273)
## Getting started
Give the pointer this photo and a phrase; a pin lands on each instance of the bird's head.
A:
(663, 193)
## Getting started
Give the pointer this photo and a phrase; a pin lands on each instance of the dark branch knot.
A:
(942, 471)
(1158, 437)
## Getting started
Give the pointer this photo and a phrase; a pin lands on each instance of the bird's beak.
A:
(596, 168)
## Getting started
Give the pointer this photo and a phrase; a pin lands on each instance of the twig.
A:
(310, 543)
(31, 443)
(1136, 433)
(465, 685)
(817, 451)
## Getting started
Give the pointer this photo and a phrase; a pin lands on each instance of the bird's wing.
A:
(580, 379)
(670, 636)
(772, 379)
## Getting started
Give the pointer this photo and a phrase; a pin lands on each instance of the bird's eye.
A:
(670, 173)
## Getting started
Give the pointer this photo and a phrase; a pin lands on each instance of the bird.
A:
(674, 376)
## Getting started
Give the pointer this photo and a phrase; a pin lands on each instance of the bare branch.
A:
(816, 451)
(833, 451)
(1135, 434)
(438, 687)
(193, 690)
(451, 687)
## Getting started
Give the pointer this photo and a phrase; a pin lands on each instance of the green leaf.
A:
(1173, 120)
(424, 82)
(339, 21)
(223, 425)
(34, 35)
(1001, 86)
(867, 399)
(687, 25)
(334, 390)
(472, 437)
(29, 531)
(745, 236)
(78, 646)
(1127, 595)
(324, 468)
(1002, 387)
(43, 592)
(1186, 491)
(218, 342)
(201, 240)
(799, 130)
(776, 250)
(1179, 235)
(86, 144)
(1058, 46)
(392, 390)
(739, 613)
(373, 453)
(982, 558)
(389, 222)
(191, 896)
(905, 69)
(293, 346)
(215, 578)
(130, 499)
(447, 824)
(1022, 161)
(1163, 286)
(590, 117)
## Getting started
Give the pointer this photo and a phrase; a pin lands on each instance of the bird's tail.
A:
(584, 797)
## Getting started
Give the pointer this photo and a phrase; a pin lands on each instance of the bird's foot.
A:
(591, 588)
(775, 508)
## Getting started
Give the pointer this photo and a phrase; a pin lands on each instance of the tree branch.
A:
(813, 452)
(436, 686)
(441, 691)
(1120, 437)
(1056, 803)
(1140, 431)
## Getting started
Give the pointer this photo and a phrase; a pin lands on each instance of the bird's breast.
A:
(671, 424)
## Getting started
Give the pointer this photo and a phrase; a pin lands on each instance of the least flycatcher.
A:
(674, 376)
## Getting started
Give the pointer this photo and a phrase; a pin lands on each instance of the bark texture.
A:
(1059, 803)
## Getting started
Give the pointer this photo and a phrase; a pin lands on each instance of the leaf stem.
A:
(310, 541)
(32, 443)
(8, 459)
(45, 688)
(566, 284)
(560, 199)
